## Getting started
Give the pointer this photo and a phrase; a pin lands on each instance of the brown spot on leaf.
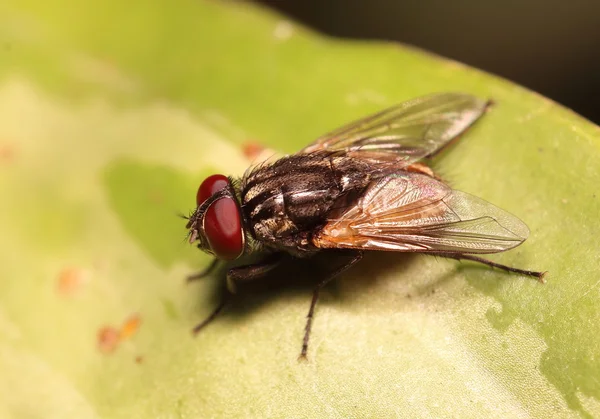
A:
(108, 339)
(156, 197)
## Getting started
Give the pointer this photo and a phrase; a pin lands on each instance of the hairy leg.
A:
(309, 318)
(460, 256)
(205, 272)
(252, 272)
(212, 316)
(240, 273)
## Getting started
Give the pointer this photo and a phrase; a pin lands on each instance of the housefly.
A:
(361, 187)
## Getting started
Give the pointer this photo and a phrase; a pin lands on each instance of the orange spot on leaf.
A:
(110, 337)
(71, 280)
(252, 149)
(7, 153)
(130, 327)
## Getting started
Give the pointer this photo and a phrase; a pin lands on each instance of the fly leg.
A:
(212, 316)
(461, 256)
(249, 273)
(309, 318)
(205, 272)
(240, 273)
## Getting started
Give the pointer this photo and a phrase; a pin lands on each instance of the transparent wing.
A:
(411, 212)
(406, 132)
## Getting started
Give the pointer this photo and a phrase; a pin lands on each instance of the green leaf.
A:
(112, 112)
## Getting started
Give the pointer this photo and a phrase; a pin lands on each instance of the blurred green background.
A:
(550, 46)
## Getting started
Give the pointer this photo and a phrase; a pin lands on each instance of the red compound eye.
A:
(222, 220)
(211, 185)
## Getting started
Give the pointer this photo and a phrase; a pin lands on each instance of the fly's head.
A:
(216, 224)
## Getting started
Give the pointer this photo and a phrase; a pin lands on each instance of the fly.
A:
(361, 187)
